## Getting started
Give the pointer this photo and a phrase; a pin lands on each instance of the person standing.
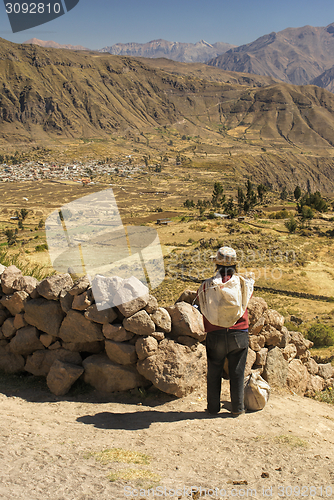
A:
(223, 303)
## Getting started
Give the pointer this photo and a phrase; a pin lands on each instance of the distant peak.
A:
(203, 42)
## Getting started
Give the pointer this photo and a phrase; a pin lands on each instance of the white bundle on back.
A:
(224, 303)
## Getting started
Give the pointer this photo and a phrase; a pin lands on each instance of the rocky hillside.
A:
(294, 55)
(49, 92)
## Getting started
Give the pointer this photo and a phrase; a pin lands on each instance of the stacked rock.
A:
(283, 357)
(54, 328)
(57, 329)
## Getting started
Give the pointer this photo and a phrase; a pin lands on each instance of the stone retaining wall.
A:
(54, 329)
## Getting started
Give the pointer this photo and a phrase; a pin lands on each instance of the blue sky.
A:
(97, 23)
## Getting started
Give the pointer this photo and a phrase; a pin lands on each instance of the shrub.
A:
(41, 248)
(291, 224)
(282, 214)
(321, 335)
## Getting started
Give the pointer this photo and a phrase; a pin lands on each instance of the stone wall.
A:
(54, 329)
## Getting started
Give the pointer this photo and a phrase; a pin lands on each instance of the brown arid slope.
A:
(81, 94)
(210, 73)
(294, 55)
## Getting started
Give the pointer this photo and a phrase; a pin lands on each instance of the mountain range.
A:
(54, 45)
(201, 51)
(299, 56)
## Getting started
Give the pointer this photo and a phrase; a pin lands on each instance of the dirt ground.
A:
(50, 447)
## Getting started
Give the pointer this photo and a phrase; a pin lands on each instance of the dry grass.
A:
(141, 476)
(120, 455)
(291, 441)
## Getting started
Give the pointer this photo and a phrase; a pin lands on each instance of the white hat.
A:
(226, 256)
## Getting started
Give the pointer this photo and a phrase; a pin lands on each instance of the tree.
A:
(230, 208)
(241, 198)
(11, 236)
(291, 224)
(20, 225)
(249, 188)
(189, 204)
(218, 196)
(246, 206)
(23, 213)
(261, 189)
(284, 194)
(307, 213)
(297, 193)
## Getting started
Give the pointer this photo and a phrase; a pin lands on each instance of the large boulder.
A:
(152, 304)
(82, 301)
(186, 320)
(297, 377)
(174, 368)
(116, 332)
(140, 323)
(15, 303)
(250, 360)
(272, 336)
(76, 328)
(256, 342)
(62, 376)
(19, 321)
(261, 356)
(9, 275)
(66, 301)
(286, 337)
(315, 383)
(187, 296)
(256, 307)
(40, 362)
(162, 319)
(273, 318)
(103, 317)
(10, 362)
(45, 315)
(302, 344)
(119, 352)
(257, 327)
(51, 287)
(80, 286)
(3, 316)
(312, 366)
(146, 346)
(8, 328)
(289, 352)
(25, 341)
(325, 370)
(129, 295)
(276, 368)
(26, 284)
(107, 376)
